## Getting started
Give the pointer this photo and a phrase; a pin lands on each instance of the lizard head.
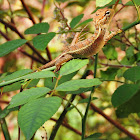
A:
(103, 16)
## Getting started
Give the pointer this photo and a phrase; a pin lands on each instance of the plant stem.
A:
(131, 25)
(87, 108)
(61, 118)
(4, 128)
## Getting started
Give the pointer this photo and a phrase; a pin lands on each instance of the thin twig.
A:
(5, 36)
(48, 54)
(31, 56)
(115, 66)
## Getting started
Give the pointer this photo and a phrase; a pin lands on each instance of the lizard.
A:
(90, 46)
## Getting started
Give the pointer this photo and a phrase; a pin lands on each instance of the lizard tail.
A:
(47, 65)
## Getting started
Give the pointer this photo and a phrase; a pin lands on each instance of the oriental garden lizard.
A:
(89, 46)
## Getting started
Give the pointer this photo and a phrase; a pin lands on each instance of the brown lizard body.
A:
(89, 46)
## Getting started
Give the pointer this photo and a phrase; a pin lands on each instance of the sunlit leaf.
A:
(101, 3)
(73, 66)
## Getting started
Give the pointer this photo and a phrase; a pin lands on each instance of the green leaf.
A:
(50, 83)
(17, 86)
(12, 87)
(93, 136)
(73, 66)
(27, 96)
(84, 22)
(35, 113)
(132, 74)
(38, 28)
(131, 106)
(123, 93)
(35, 75)
(109, 74)
(40, 74)
(130, 3)
(101, 3)
(74, 85)
(79, 91)
(76, 20)
(128, 61)
(40, 42)
(130, 52)
(11, 46)
(17, 74)
(110, 52)
(86, 100)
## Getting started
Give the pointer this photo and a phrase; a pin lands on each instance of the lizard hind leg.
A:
(62, 60)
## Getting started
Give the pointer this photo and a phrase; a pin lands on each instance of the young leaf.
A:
(27, 96)
(123, 93)
(11, 46)
(101, 3)
(110, 52)
(132, 74)
(38, 28)
(73, 66)
(40, 42)
(74, 85)
(84, 22)
(76, 20)
(35, 113)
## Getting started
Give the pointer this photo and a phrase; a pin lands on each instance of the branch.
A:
(131, 25)
(31, 56)
(61, 118)
(13, 28)
(69, 127)
(113, 122)
(28, 11)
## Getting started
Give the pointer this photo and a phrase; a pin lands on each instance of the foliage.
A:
(43, 95)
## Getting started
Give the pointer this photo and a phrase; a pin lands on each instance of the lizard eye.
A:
(107, 13)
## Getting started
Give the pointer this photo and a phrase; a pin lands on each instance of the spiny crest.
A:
(103, 16)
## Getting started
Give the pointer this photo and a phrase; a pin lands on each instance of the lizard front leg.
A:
(108, 37)
(61, 60)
